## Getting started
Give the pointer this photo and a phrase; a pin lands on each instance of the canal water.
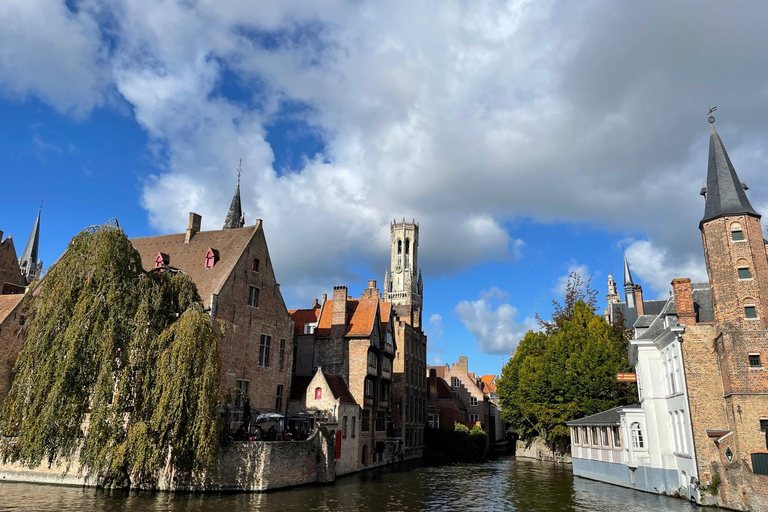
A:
(506, 484)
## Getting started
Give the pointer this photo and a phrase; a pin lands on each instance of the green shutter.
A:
(760, 463)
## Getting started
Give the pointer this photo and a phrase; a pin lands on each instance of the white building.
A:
(648, 446)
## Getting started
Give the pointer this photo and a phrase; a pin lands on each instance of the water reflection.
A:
(501, 485)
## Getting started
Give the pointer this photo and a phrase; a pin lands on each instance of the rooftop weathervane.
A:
(711, 118)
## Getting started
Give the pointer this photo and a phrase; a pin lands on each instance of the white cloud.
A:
(436, 326)
(495, 328)
(655, 267)
(562, 281)
(461, 114)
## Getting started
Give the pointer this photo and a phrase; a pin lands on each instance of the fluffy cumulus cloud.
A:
(463, 115)
(435, 326)
(493, 323)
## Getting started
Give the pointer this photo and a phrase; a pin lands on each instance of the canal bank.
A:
(504, 484)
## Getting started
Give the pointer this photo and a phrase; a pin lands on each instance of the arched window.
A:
(161, 260)
(318, 393)
(210, 258)
(737, 234)
(399, 247)
(407, 246)
(750, 310)
(637, 435)
(743, 268)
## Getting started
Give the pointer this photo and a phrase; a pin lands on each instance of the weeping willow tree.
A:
(118, 363)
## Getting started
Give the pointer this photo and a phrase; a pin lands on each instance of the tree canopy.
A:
(119, 367)
(566, 371)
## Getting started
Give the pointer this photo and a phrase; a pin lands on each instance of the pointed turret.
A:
(28, 262)
(235, 217)
(725, 193)
(627, 273)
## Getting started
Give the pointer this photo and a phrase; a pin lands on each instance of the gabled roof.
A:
(443, 390)
(8, 303)
(725, 194)
(361, 314)
(302, 317)
(339, 389)
(609, 417)
(190, 257)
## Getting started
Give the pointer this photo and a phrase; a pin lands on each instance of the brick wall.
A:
(9, 264)
(10, 345)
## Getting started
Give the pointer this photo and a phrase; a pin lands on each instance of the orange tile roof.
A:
(302, 317)
(230, 244)
(8, 303)
(361, 314)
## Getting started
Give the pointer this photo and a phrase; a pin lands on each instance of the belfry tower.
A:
(403, 285)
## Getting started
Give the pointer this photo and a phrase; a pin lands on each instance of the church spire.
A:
(235, 217)
(29, 264)
(627, 273)
(725, 193)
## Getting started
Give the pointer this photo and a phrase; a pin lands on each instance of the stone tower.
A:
(402, 282)
(28, 263)
(235, 217)
(613, 292)
(734, 248)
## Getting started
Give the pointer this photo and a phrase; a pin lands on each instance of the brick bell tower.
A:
(734, 248)
(403, 285)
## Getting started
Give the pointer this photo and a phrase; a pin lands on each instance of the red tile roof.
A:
(361, 314)
(302, 317)
(190, 257)
(339, 389)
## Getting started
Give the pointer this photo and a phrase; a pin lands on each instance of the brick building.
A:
(404, 288)
(234, 276)
(445, 408)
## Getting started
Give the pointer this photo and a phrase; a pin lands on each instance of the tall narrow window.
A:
(279, 398)
(372, 360)
(399, 247)
(210, 258)
(264, 347)
(637, 435)
(737, 234)
(407, 246)
(344, 427)
(354, 419)
(253, 296)
(318, 393)
(255, 265)
(281, 355)
(295, 356)
(616, 437)
(365, 420)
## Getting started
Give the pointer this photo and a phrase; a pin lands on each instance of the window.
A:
(474, 417)
(381, 425)
(365, 421)
(210, 258)
(754, 361)
(264, 346)
(455, 382)
(279, 398)
(594, 436)
(368, 388)
(372, 360)
(344, 427)
(763, 425)
(310, 328)
(760, 463)
(399, 247)
(281, 355)
(637, 435)
(241, 393)
(744, 273)
(473, 401)
(386, 366)
(616, 437)
(255, 266)
(253, 296)
(576, 435)
(407, 246)
(737, 234)
(750, 311)
(389, 340)
(384, 391)
(354, 418)
(318, 393)
(604, 440)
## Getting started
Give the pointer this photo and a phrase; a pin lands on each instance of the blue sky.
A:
(522, 156)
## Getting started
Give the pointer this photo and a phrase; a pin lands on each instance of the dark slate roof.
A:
(658, 324)
(339, 389)
(653, 307)
(644, 321)
(725, 193)
(627, 273)
(609, 417)
(235, 214)
(650, 307)
(702, 302)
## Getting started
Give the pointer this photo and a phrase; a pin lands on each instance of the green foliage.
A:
(460, 427)
(477, 430)
(712, 488)
(118, 362)
(566, 372)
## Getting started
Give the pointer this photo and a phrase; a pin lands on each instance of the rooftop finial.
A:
(41, 204)
(239, 172)
(711, 118)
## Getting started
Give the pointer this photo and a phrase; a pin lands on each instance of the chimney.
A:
(371, 284)
(194, 226)
(686, 313)
(371, 291)
(432, 384)
(339, 316)
(463, 364)
(325, 297)
(639, 300)
(315, 304)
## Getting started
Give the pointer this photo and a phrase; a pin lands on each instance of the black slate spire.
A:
(627, 273)
(725, 193)
(235, 218)
(28, 261)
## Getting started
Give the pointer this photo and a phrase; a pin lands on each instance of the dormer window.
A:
(211, 257)
(161, 260)
(737, 234)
